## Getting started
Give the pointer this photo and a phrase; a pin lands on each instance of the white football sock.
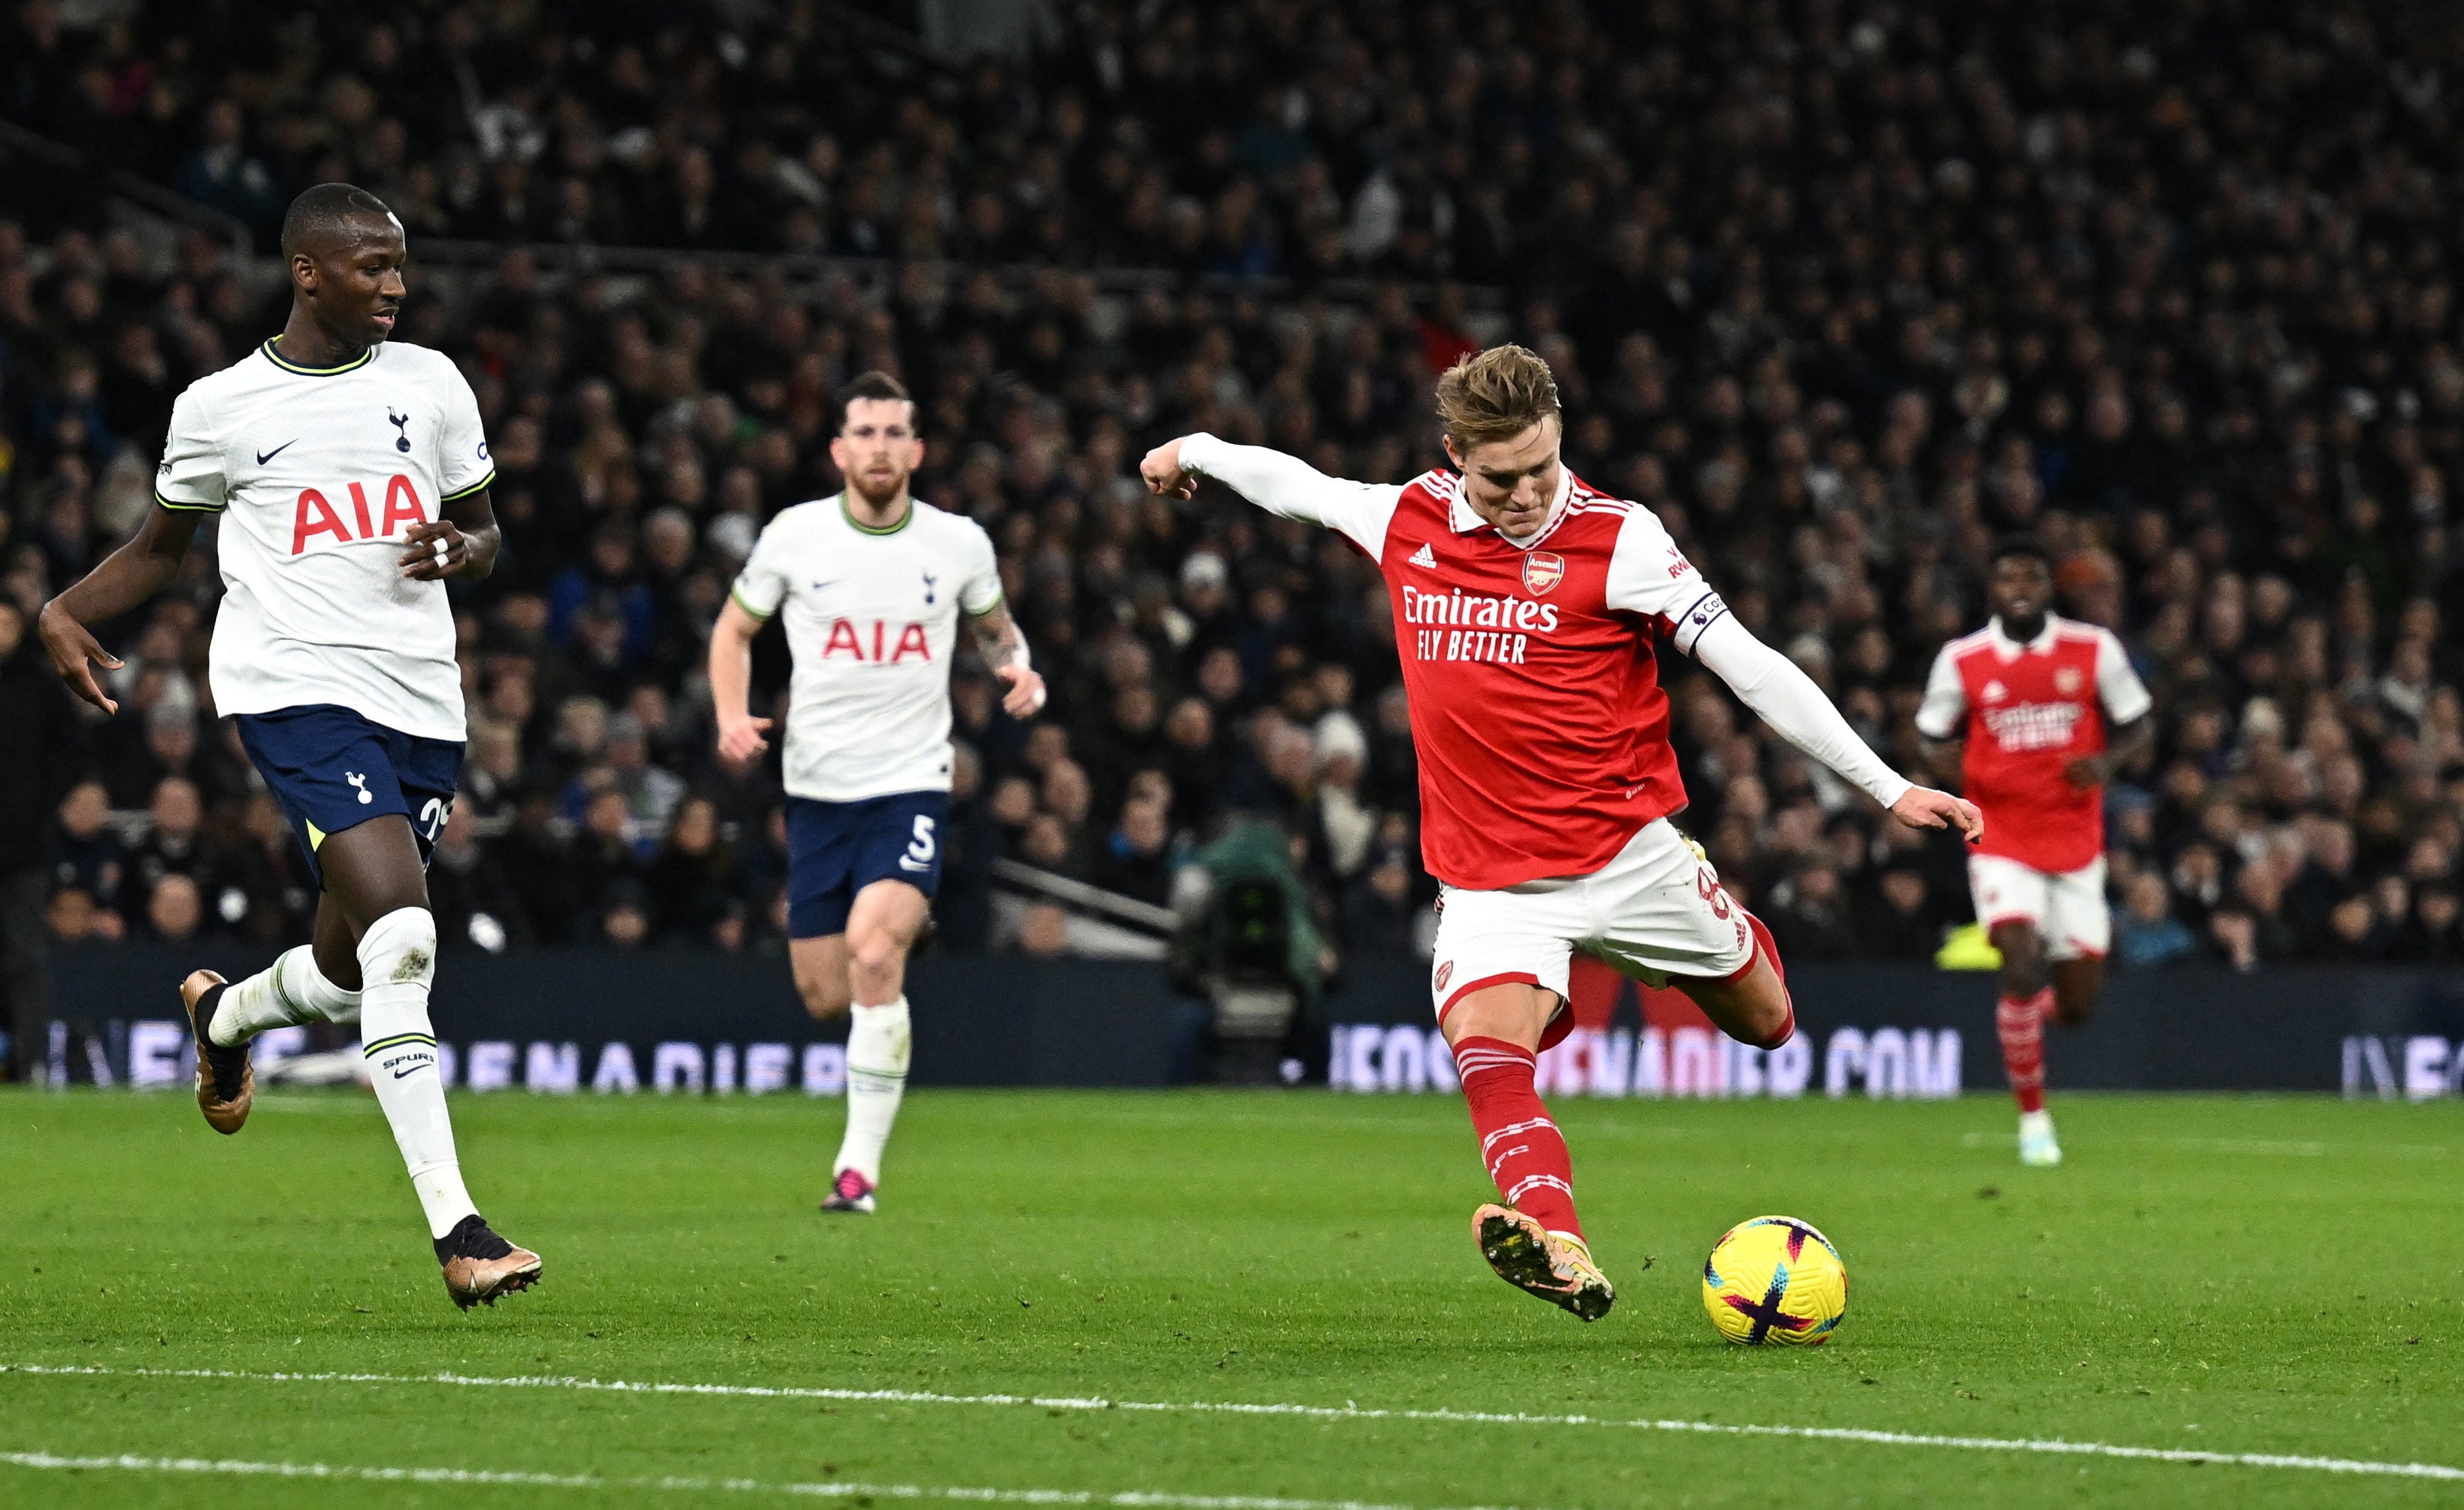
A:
(879, 1045)
(285, 994)
(397, 961)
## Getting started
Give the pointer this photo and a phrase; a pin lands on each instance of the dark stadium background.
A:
(1841, 301)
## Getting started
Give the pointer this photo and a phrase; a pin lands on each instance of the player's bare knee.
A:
(875, 954)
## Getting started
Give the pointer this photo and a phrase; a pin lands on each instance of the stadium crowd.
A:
(1843, 298)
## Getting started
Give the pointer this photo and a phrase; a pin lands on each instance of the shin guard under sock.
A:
(2020, 1023)
(1524, 1153)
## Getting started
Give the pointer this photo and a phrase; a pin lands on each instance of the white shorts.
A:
(1654, 912)
(2065, 907)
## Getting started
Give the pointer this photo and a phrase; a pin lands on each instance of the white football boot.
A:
(2037, 1148)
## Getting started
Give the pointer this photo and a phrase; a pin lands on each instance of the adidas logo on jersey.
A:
(1424, 558)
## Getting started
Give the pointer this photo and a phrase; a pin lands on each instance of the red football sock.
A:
(1524, 1152)
(1767, 947)
(2020, 1021)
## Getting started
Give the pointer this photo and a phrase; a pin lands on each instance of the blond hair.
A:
(1496, 395)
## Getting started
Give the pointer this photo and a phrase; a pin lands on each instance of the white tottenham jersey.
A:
(872, 619)
(318, 473)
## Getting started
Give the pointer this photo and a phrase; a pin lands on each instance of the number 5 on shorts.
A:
(919, 854)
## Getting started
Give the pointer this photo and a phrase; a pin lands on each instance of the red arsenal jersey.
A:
(1536, 707)
(2027, 710)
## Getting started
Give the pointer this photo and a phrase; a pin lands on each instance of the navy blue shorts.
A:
(836, 849)
(333, 769)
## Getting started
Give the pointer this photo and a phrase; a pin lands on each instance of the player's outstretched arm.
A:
(126, 577)
(1004, 644)
(463, 543)
(1277, 483)
(1785, 698)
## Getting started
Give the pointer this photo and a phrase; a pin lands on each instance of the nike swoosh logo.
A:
(827, 585)
(262, 457)
(413, 1070)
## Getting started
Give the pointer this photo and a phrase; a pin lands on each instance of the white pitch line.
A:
(831, 1489)
(1318, 1413)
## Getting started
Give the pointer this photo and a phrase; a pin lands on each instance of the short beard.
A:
(878, 500)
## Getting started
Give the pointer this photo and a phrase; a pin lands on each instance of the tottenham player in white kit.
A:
(351, 479)
(872, 583)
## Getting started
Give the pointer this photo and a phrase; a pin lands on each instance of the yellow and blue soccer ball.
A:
(1775, 1280)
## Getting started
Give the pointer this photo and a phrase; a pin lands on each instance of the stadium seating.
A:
(1840, 302)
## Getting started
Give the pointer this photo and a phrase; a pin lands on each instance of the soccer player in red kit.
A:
(1528, 609)
(2033, 713)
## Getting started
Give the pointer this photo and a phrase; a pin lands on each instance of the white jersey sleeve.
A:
(1648, 575)
(2125, 697)
(1945, 698)
(761, 585)
(192, 477)
(1783, 696)
(980, 591)
(462, 463)
(1293, 488)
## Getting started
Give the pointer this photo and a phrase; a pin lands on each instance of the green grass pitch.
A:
(2279, 1276)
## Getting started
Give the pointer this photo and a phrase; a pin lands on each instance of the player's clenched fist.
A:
(1163, 473)
(1923, 807)
(1025, 698)
(741, 740)
(433, 551)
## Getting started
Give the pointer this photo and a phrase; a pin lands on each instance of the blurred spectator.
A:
(1380, 916)
(539, 865)
(1809, 917)
(691, 883)
(174, 911)
(1134, 861)
(2145, 933)
(1900, 920)
(2430, 936)
(1836, 319)
(625, 921)
(608, 870)
(87, 852)
(176, 843)
(72, 918)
